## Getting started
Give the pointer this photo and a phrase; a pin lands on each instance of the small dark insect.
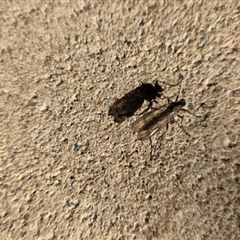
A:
(126, 106)
(156, 119)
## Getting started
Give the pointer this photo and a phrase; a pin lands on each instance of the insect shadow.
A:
(156, 119)
(126, 106)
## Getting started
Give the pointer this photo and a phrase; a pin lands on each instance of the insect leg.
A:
(168, 99)
(181, 125)
(161, 138)
(151, 150)
(148, 107)
(185, 110)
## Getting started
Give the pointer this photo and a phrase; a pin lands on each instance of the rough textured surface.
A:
(67, 171)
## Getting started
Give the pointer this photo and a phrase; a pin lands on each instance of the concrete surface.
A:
(67, 171)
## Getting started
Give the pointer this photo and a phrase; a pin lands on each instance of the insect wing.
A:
(159, 119)
(142, 121)
(151, 122)
(160, 122)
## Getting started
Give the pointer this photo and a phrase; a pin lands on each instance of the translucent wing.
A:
(145, 118)
(151, 122)
(147, 132)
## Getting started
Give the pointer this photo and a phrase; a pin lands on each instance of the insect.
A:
(126, 106)
(156, 119)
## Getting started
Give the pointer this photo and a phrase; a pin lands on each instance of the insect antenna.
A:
(180, 78)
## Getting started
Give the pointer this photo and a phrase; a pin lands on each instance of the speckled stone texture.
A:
(67, 171)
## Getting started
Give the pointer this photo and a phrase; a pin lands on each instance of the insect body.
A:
(154, 120)
(126, 106)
